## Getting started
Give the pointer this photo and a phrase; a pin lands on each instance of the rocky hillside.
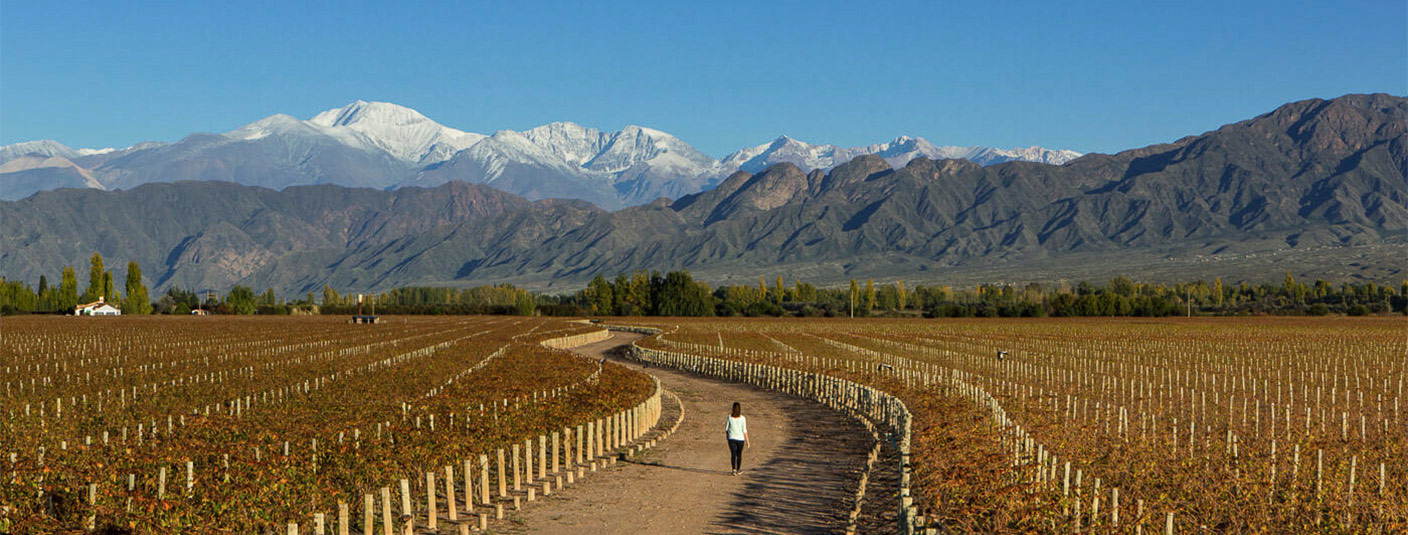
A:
(1285, 190)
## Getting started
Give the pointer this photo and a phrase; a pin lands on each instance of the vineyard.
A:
(1126, 426)
(269, 425)
(263, 425)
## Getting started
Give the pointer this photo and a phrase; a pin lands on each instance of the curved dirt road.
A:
(800, 474)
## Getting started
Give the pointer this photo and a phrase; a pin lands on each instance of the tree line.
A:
(16, 296)
(490, 299)
(677, 293)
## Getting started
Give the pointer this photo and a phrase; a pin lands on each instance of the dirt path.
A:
(799, 475)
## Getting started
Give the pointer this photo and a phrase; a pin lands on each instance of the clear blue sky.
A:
(1080, 75)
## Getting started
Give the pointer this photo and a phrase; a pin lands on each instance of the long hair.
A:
(737, 409)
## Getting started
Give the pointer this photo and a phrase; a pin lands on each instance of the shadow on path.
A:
(680, 468)
(809, 485)
(799, 475)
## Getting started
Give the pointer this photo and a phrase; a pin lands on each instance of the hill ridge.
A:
(1268, 194)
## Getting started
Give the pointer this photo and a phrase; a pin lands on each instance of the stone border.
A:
(874, 407)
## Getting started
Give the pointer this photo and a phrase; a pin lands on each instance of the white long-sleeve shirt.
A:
(737, 428)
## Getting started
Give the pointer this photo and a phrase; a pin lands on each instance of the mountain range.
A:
(386, 146)
(1317, 187)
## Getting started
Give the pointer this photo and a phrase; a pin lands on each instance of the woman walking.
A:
(737, 430)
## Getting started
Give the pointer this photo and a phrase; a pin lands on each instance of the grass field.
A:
(1266, 425)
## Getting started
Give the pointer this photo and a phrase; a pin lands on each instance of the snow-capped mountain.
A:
(612, 169)
(281, 125)
(384, 145)
(1020, 154)
(614, 152)
(42, 165)
(46, 148)
(275, 152)
(897, 153)
(511, 162)
(398, 130)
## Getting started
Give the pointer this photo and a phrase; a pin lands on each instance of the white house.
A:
(97, 308)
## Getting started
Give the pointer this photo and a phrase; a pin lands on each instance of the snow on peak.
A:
(990, 156)
(278, 123)
(47, 148)
(782, 149)
(398, 130)
(361, 111)
(614, 152)
(635, 145)
(787, 141)
(379, 126)
(897, 152)
(635, 158)
(573, 143)
(646, 131)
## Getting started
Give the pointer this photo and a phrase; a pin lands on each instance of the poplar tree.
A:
(45, 295)
(855, 296)
(95, 279)
(137, 300)
(68, 289)
(869, 295)
(620, 290)
(110, 290)
(638, 293)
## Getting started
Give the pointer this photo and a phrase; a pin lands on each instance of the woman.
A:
(737, 431)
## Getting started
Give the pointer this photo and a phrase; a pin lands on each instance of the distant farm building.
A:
(97, 308)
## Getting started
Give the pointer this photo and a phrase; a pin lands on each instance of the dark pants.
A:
(735, 449)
